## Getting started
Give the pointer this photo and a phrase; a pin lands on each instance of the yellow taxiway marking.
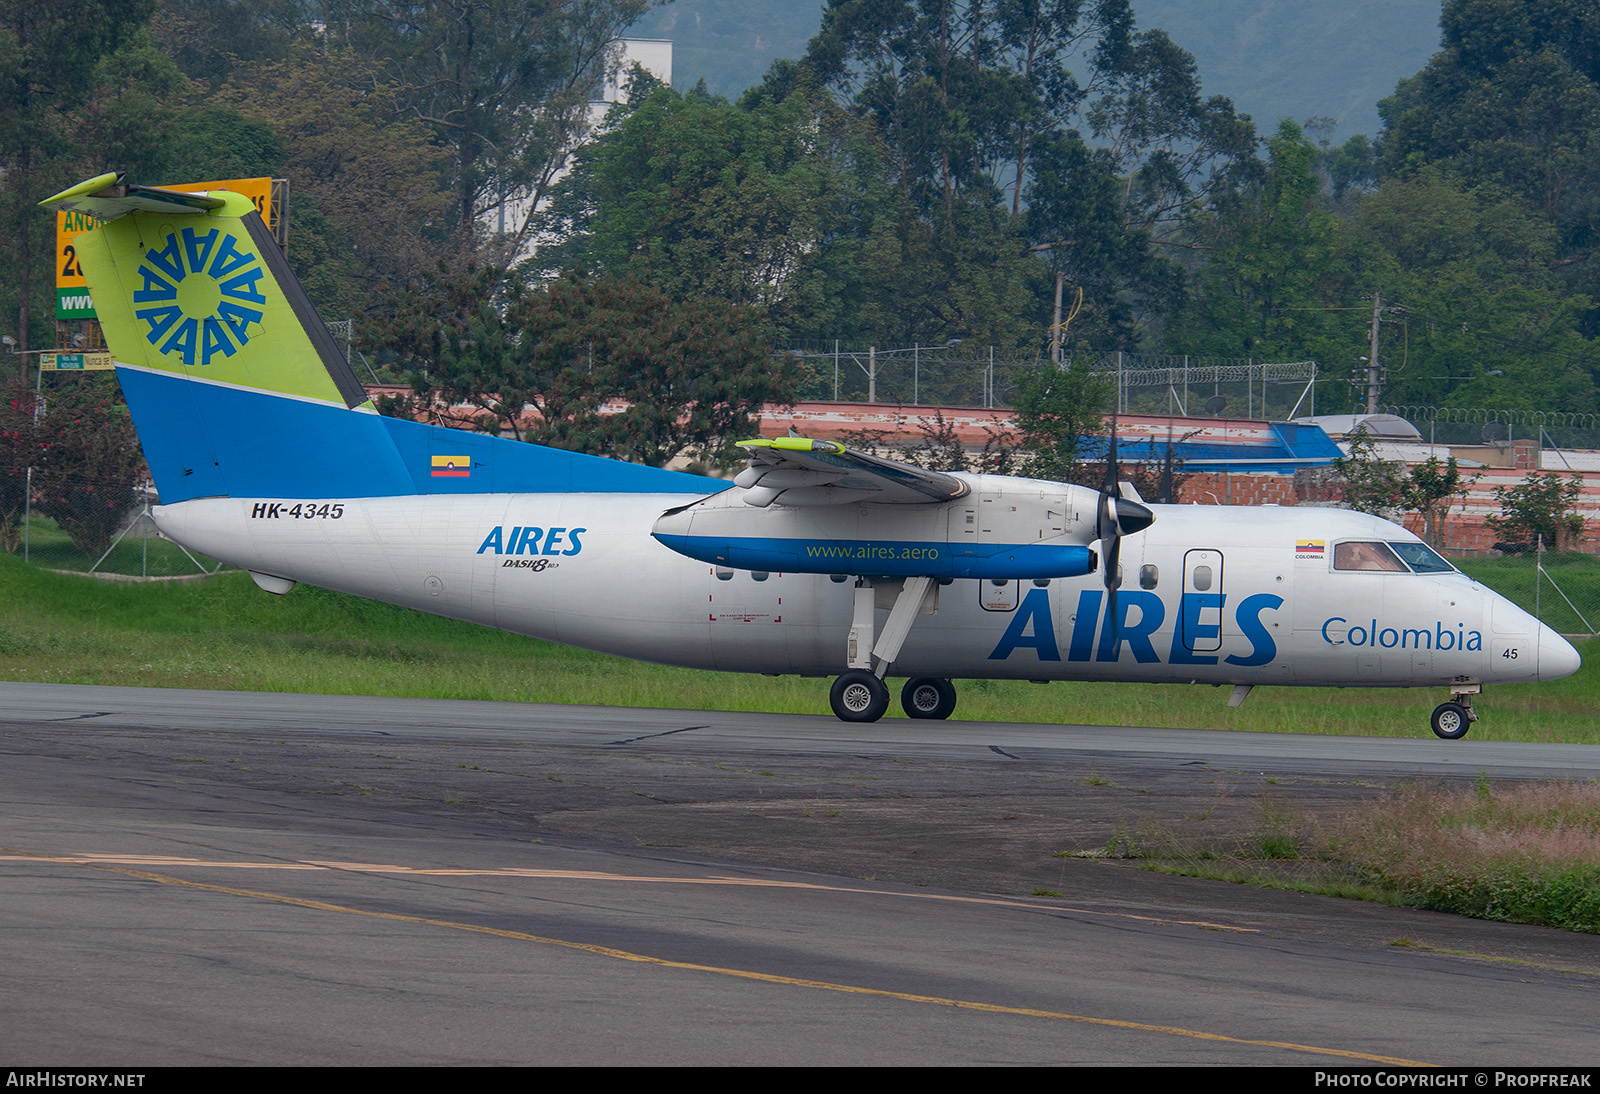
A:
(176, 861)
(110, 863)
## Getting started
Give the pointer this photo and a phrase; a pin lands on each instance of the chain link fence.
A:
(65, 522)
(1562, 591)
(968, 376)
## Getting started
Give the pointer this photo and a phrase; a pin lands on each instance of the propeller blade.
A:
(1113, 561)
(1117, 517)
(1112, 484)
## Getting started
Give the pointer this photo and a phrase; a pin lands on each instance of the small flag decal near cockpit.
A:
(1303, 548)
(452, 467)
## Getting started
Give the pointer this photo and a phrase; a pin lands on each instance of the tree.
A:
(1076, 220)
(938, 446)
(19, 450)
(1262, 290)
(1386, 488)
(601, 365)
(1512, 99)
(1055, 409)
(1484, 320)
(1178, 153)
(979, 110)
(89, 461)
(452, 328)
(1429, 490)
(640, 376)
(1372, 484)
(49, 51)
(699, 197)
(370, 199)
(1542, 507)
(504, 84)
(210, 41)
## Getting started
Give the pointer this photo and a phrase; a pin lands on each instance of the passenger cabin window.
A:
(1364, 555)
(1202, 578)
(1148, 576)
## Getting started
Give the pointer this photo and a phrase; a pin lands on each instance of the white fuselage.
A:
(1211, 594)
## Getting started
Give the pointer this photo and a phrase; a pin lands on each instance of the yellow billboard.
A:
(72, 292)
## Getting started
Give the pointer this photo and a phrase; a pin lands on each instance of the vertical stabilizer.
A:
(235, 384)
(237, 388)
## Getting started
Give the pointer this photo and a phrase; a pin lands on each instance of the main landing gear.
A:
(860, 695)
(928, 697)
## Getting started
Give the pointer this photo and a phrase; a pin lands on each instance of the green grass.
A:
(1519, 854)
(223, 632)
(1527, 854)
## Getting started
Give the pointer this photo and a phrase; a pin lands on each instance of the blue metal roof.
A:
(1293, 446)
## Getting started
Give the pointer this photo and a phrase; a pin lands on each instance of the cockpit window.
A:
(1421, 558)
(1366, 555)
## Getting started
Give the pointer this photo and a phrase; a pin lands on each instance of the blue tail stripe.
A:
(207, 440)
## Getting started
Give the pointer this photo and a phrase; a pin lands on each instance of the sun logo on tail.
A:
(200, 295)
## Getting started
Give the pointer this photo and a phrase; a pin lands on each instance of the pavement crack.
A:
(649, 736)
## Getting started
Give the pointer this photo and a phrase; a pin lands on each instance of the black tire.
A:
(859, 696)
(928, 697)
(1451, 721)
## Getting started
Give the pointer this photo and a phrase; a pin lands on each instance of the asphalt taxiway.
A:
(220, 877)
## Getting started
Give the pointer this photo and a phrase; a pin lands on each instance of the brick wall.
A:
(1466, 528)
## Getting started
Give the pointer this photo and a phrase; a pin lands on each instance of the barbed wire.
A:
(1561, 419)
(1235, 371)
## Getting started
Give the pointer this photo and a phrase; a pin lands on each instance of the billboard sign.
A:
(72, 291)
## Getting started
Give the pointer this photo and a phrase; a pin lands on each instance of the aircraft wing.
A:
(801, 471)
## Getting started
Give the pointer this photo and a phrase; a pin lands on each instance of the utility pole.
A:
(1373, 382)
(1055, 329)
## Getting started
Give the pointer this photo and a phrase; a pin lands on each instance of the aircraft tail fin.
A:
(238, 389)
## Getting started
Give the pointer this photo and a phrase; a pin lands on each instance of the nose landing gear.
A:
(1452, 720)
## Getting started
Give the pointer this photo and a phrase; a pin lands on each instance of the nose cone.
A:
(1557, 658)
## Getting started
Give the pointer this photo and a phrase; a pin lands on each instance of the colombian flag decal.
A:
(1304, 548)
(452, 467)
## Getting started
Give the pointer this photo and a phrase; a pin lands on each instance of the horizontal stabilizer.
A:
(109, 196)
